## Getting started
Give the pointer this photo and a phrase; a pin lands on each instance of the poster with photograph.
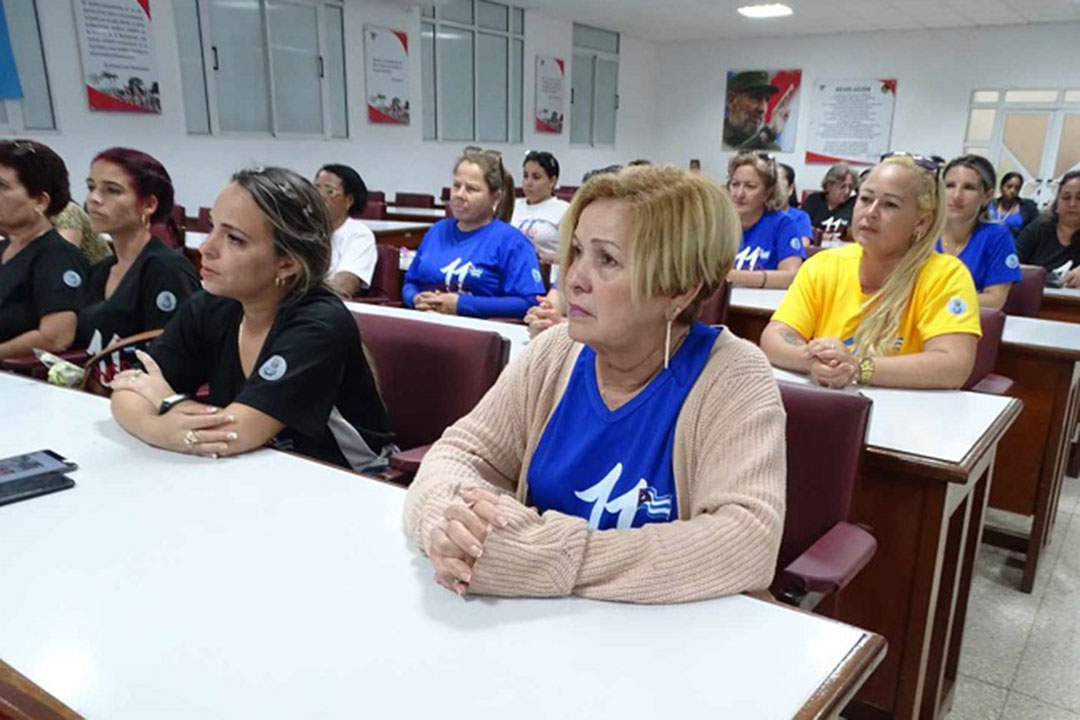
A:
(761, 110)
(851, 121)
(550, 94)
(118, 55)
(386, 68)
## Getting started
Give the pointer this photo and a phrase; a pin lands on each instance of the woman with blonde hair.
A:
(772, 243)
(475, 263)
(887, 310)
(630, 453)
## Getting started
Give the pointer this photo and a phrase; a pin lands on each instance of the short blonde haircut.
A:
(683, 226)
(766, 170)
(876, 333)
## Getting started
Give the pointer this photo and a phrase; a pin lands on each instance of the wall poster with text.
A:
(851, 121)
(118, 55)
(550, 94)
(386, 74)
(761, 110)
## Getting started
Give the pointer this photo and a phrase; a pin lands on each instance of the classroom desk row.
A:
(388, 232)
(1061, 304)
(923, 492)
(1041, 357)
(272, 586)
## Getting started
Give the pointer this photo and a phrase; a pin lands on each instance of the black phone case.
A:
(31, 487)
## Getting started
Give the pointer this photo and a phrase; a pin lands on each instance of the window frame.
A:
(322, 40)
(595, 56)
(514, 135)
(13, 107)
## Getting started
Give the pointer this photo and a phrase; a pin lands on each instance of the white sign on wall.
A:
(851, 121)
(386, 68)
(118, 55)
(550, 94)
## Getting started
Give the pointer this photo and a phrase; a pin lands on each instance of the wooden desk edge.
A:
(957, 472)
(21, 699)
(846, 678)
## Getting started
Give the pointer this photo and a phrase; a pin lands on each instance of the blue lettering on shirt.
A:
(614, 467)
(990, 256)
(772, 239)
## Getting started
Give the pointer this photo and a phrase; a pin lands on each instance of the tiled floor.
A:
(1021, 655)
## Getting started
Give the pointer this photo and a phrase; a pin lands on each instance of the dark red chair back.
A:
(986, 352)
(1025, 297)
(376, 196)
(421, 402)
(826, 434)
(414, 200)
(202, 223)
(375, 210)
(168, 235)
(387, 278)
(714, 311)
(445, 195)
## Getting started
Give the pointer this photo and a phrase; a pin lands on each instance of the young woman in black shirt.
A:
(280, 352)
(143, 284)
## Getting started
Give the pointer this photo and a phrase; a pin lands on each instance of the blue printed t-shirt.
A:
(773, 238)
(1013, 220)
(801, 218)
(614, 467)
(990, 255)
(494, 269)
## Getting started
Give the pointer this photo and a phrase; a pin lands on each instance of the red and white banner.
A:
(851, 121)
(550, 94)
(386, 66)
(117, 55)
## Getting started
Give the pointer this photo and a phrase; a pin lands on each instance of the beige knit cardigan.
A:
(730, 474)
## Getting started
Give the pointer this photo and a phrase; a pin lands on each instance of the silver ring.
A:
(190, 438)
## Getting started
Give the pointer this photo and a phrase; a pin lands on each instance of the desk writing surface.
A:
(518, 335)
(1052, 334)
(433, 213)
(756, 299)
(193, 239)
(942, 425)
(387, 226)
(269, 586)
(1063, 293)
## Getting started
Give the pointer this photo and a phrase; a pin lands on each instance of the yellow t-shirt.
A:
(825, 300)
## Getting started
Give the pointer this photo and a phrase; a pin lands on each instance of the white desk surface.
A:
(268, 586)
(518, 335)
(433, 213)
(385, 226)
(1050, 334)
(1064, 293)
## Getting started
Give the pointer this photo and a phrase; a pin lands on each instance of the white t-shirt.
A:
(540, 222)
(352, 250)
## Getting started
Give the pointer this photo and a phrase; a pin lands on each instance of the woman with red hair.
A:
(142, 285)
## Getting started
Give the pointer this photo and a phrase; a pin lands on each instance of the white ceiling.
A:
(679, 20)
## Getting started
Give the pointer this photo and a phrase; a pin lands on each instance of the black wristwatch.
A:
(170, 402)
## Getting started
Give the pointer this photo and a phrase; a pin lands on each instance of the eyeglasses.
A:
(931, 163)
(478, 149)
(21, 148)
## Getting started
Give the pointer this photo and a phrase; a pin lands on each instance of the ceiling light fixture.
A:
(765, 11)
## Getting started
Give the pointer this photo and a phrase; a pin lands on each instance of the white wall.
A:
(936, 73)
(390, 158)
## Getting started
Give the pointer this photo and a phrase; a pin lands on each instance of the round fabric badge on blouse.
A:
(166, 301)
(536, 276)
(72, 279)
(274, 368)
(956, 306)
(1012, 262)
(796, 243)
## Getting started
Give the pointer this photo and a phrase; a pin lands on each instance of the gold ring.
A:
(190, 438)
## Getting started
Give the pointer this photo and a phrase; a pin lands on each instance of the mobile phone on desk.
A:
(32, 486)
(41, 462)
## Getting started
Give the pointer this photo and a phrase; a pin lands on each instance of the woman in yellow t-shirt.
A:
(887, 310)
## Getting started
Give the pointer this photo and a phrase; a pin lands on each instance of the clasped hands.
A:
(542, 316)
(436, 301)
(454, 545)
(831, 363)
(190, 427)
